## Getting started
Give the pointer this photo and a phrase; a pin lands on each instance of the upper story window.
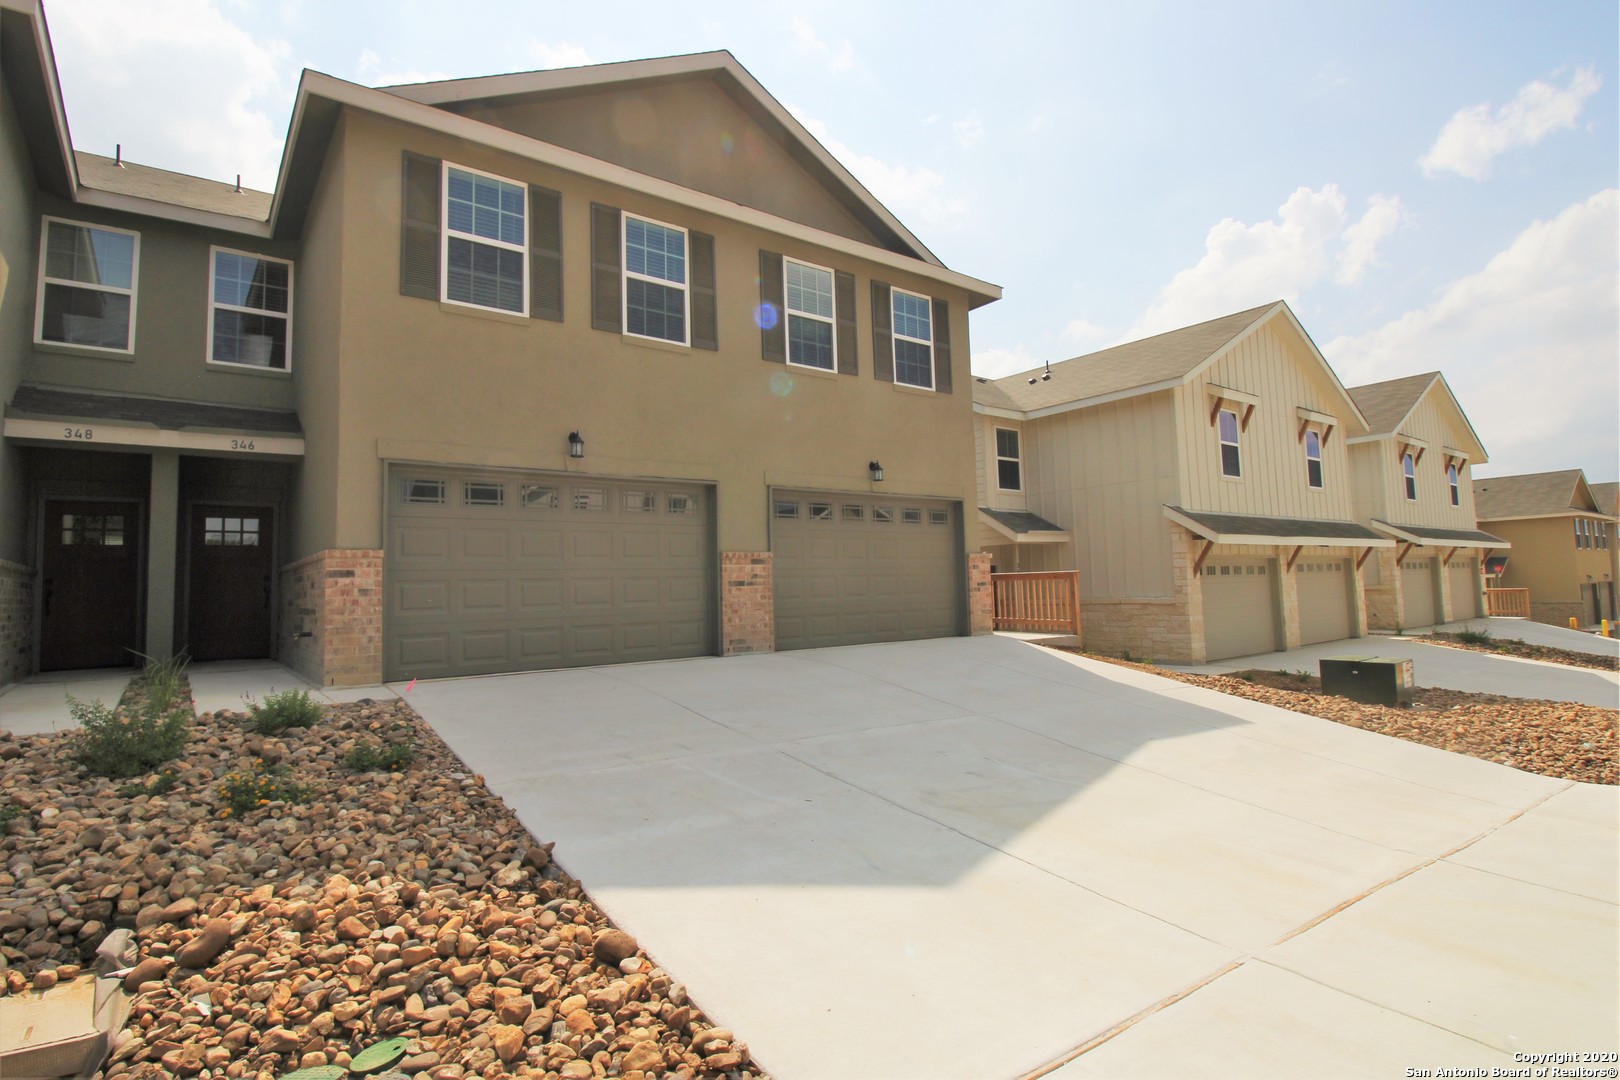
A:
(654, 280)
(808, 295)
(1456, 488)
(913, 339)
(87, 276)
(1231, 455)
(1313, 459)
(1009, 464)
(1409, 470)
(1580, 532)
(485, 240)
(249, 310)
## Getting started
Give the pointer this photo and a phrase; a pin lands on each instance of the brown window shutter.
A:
(882, 334)
(419, 228)
(545, 254)
(705, 315)
(844, 300)
(773, 337)
(607, 306)
(942, 346)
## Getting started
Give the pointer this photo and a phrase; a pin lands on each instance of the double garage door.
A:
(490, 572)
(856, 568)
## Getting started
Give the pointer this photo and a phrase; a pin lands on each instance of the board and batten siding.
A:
(1274, 365)
(1432, 422)
(1107, 472)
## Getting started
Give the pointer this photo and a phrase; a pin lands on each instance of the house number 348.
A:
(78, 433)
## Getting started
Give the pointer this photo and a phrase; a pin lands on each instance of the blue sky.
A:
(1429, 185)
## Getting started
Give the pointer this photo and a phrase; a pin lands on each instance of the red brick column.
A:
(981, 595)
(747, 603)
(331, 617)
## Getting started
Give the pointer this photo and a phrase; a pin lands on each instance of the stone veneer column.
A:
(1384, 599)
(1288, 586)
(981, 594)
(747, 603)
(1442, 588)
(16, 622)
(331, 617)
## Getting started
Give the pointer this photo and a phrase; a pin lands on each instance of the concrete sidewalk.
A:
(1538, 633)
(975, 858)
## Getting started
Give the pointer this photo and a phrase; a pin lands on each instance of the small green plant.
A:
(381, 757)
(10, 812)
(120, 744)
(1477, 637)
(161, 784)
(244, 792)
(280, 711)
(164, 678)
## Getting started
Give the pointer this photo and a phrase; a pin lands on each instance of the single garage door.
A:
(1324, 600)
(1464, 585)
(1417, 591)
(1239, 617)
(489, 572)
(849, 569)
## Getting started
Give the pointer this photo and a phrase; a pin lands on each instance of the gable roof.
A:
(1388, 405)
(1528, 495)
(1607, 496)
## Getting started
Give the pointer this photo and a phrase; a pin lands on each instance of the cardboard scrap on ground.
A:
(61, 1032)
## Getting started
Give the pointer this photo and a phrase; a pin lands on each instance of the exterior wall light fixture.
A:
(877, 472)
(576, 445)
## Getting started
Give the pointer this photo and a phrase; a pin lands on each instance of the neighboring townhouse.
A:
(1410, 476)
(1199, 481)
(1563, 543)
(1608, 501)
(568, 367)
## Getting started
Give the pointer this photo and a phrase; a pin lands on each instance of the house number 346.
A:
(241, 444)
(79, 433)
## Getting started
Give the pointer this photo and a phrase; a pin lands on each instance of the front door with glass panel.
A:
(231, 562)
(90, 585)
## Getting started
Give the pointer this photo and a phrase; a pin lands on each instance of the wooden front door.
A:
(90, 592)
(231, 562)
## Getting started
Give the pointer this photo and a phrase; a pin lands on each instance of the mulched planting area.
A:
(1525, 650)
(1553, 738)
(409, 903)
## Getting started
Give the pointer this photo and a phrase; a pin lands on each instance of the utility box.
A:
(1371, 680)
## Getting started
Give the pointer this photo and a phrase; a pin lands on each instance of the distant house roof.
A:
(1249, 529)
(1423, 534)
(167, 414)
(1529, 495)
(1607, 496)
(176, 189)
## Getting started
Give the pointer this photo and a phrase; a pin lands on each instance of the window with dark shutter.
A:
(772, 316)
(606, 284)
(942, 346)
(545, 254)
(848, 362)
(882, 334)
(705, 314)
(419, 228)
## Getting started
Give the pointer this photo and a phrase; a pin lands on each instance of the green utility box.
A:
(1371, 680)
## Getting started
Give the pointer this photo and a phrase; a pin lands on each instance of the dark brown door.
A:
(231, 560)
(89, 599)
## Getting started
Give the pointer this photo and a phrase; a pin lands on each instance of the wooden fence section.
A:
(1048, 601)
(1508, 603)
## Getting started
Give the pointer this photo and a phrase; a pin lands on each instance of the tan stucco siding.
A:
(18, 254)
(424, 381)
(1545, 560)
(687, 131)
(1273, 365)
(1105, 474)
(1431, 423)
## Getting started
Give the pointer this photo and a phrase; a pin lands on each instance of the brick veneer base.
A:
(1559, 612)
(747, 603)
(331, 617)
(16, 621)
(981, 594)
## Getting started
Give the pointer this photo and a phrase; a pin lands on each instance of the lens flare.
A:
(727, 143)
(781, 384)
(766, 316)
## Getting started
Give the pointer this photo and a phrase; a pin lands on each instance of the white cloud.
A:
(559, 54)
(996, 363)
(370, 71)
(1361, 240)
(805, 39)
(1475, 137)
(1528, 343)
(969, 130)
(1084, 333)
(903, 189)
(131, 74)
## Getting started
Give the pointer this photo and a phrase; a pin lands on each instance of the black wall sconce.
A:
(576, 445)
(877, 472)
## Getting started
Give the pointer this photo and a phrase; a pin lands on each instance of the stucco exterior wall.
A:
(18, 255)
(1545, 560)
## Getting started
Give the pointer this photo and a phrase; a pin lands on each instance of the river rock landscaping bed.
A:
(1524, 650)
(291, 935)
(1553, 738)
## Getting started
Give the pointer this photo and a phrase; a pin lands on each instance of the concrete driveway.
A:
(978, 858)
(1462, 669)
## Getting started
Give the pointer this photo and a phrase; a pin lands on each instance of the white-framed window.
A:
(1456, 487)
(1409, 471)
(249, 310)
(486, 240)
(1580, 532)
(1313, 459)
(1231, 453)
(913, 325)
(87, 279)
(1009, 462)
(657, 303)
(812, 339)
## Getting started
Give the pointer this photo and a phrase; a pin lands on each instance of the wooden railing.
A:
(1508, 603)
(1048, 601)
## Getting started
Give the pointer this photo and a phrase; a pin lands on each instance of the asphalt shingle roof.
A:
(1385, 404)
(1022, 521)
(1427, 533)
(177, 189)
(38, 401)
(1526, 495)
(1607, 496)
(1313, 528)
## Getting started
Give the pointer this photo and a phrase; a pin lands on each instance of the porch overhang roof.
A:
(1425, 536)
(43, 414)
(1246, 529)
(1022, 527)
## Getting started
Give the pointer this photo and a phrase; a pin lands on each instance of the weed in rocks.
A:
(380, 757)
(284, 710)
(120, 744)
(244, 792)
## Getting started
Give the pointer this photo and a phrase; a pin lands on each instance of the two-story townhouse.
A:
(1607, 496)
(1563, 543)
(1198, 480)
(1411, 482)
(580, 366)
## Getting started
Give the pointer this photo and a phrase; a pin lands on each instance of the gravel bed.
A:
(1553, 738)
(410, 904)
(1525, 650)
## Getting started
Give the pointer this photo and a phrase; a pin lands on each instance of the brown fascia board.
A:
(28, 64)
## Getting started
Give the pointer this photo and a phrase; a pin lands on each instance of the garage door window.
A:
(474, 493)
(590, 499)
(911, 515)
(883, 515)
(786, 509)
(640, 502)
(539, 497)
(939, 517)
(820, 511)
(430, 492)
(854, 512)
(681, 504)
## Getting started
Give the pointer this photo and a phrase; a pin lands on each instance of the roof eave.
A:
(1215, 536)
(1429, 541)
(58, 171)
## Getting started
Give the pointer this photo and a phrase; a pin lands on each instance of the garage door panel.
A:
(639, 546)
(593, 545)
(593, 641)
(540, 596)
(1322, 586)
(683, 545)
(587, 593)
(540, 545)
(1464, 585)
(481, 598)
(417, 542)
(483, 545)
(685, 592)
(1238, 608)
(1419, 604)
(686, 637)
(423, 598)
(428, 650)
(540, 648)
(643, 637)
